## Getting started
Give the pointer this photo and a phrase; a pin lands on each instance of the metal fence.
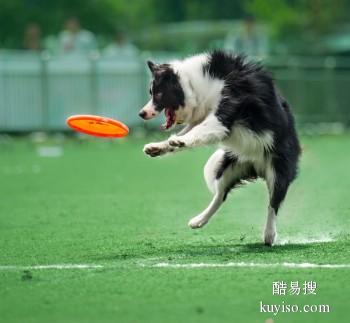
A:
(317, 88)
(38, 92)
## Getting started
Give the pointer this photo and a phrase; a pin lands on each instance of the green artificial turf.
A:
(105, 203)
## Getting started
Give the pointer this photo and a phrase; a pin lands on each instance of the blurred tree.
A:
(98, 16)
(299, 22)
(104, 16)
(214, 10)
(291, 20)
(182, 10)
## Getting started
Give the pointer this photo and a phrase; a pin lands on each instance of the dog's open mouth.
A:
(170, 118)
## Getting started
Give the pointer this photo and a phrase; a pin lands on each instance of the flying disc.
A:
(98, 126)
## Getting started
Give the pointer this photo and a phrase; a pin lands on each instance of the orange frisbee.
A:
(97, 126)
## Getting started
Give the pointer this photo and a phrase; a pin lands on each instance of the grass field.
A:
(105, 204)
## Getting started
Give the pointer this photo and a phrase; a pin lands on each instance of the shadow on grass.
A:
(259, 247)
(215, 251)
(241, 249)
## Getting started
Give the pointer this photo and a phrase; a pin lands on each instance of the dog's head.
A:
(166, 95)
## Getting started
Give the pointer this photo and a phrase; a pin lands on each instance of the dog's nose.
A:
(143, 114)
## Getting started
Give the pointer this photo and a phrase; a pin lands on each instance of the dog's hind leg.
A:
(211, 168)
(277, 184)
(201, 219)
(221, 173)
(210, 173)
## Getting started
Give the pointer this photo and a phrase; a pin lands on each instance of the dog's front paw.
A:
(154, 150)
(197, 222)
(176, 142)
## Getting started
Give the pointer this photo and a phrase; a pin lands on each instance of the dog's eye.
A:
(150, 91)
(158, 96)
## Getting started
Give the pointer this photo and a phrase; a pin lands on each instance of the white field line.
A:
(55, 266)
(178, 266)
(249, 265)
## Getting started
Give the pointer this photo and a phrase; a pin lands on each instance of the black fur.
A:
(229, 160)
(250, 98)
(165, 88)
(249, 175)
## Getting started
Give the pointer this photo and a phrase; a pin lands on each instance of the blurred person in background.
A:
(32, 37)
(74, 40)
(250, 39)
(120, 46)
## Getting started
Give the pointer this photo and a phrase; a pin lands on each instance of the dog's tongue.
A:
(170, 119)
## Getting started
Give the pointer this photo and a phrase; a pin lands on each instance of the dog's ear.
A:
(152, 66)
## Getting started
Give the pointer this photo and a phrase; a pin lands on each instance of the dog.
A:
(224, 99)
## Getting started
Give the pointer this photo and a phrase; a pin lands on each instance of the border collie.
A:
(223, 99)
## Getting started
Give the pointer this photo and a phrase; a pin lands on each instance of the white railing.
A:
(38, 92)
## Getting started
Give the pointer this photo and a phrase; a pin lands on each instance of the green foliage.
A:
(104, 16)
(289, 19)
(282, 17)
(299, 22)
(15, 15)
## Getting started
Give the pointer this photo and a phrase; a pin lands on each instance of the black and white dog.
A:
(222, 98)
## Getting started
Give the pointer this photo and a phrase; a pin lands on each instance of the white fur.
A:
(211, 168)
(270, 229)
(246, 144)
(150, 110)
(202, 93)
(201, 219)
(158, 148)
(207, 132)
